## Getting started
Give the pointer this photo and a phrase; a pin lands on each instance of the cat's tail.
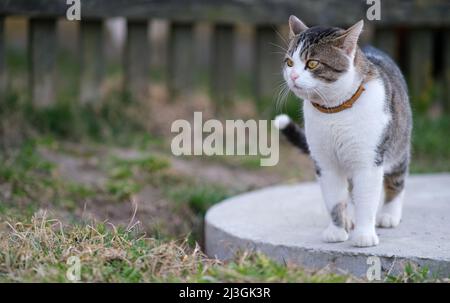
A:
(294, 133)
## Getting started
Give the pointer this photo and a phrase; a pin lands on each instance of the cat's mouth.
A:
(298, 89)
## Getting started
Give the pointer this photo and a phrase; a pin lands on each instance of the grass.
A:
(126, 168)
(38, 250)
(200, 197)
(430, 144)
(30, 182)
(124, 172)
(412, 274)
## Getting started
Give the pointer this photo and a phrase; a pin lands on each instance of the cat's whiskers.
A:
(332, 93)
(280, 89)
(284, 100)
(282, 97)
(323, 97)
(279, 46)
(280, 84)
(283, 39)
(307, 93)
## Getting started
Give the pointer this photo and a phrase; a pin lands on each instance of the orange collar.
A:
(347, 104)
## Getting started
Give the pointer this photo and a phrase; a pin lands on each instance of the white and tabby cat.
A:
(357, 127)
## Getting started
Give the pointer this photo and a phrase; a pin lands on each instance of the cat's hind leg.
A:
(335, 194)
(390, 213)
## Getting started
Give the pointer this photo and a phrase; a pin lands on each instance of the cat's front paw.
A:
(388, 220)
(334, 234)
(365, 238)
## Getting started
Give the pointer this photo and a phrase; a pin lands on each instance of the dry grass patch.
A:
(38, 250)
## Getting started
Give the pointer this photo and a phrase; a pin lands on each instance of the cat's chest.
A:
(349, 137)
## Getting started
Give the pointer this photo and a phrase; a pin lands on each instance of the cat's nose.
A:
(294, 76)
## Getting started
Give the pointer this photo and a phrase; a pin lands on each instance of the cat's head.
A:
(320, 61)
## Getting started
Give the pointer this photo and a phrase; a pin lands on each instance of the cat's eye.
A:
(289, 62)
(312, 64)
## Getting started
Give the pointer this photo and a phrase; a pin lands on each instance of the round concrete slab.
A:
(285, 223)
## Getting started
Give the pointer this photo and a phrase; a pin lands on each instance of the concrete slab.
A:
(285, 222)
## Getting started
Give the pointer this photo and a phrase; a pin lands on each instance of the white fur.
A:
(390, 214)
(344, 146)
(334, 234)
(281, 121)
(334, 190)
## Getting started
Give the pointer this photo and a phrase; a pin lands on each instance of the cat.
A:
(358, 125)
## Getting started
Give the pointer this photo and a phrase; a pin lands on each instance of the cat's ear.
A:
(296, 26)
(349, 39)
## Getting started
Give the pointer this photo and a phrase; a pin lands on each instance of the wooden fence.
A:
(415, 32)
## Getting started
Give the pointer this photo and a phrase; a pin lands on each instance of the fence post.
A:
(2, 60)
(137, 60)
(181, 59)
(420, 66)
(222, 67)
(267, 67)
(42, 54)
(447, 70)
(92, 60)
(386, 40)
